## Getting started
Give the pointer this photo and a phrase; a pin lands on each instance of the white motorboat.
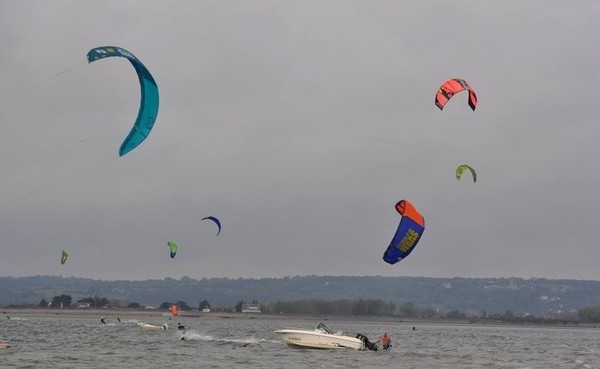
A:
(148, 327)
(319, 338)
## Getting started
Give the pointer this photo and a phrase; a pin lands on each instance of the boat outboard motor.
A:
(368, 344)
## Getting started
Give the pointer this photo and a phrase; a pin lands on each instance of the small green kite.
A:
(63, 257)
(462, 168)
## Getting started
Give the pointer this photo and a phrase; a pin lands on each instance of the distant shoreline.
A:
(127, 313)
(154, 313)
(535, 300)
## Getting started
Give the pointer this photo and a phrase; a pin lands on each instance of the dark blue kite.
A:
(214, 220)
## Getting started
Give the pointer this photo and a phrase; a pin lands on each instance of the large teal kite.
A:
(149, 103)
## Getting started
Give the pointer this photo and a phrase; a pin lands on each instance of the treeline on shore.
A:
(340, 307)
(359, 307)
(535, 296)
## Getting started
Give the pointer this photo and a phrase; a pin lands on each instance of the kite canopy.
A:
(462, 168)
(450, 88)
(217, 222)
(63, 257)
(410, 230)
(172, 248)
(148, 104)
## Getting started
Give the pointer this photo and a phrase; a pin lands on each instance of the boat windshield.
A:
(321, 327)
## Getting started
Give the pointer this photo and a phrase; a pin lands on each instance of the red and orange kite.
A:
(450, 88)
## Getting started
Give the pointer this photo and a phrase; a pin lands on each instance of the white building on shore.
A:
(251, 307)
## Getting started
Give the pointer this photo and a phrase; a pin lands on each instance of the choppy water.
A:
(67, 342)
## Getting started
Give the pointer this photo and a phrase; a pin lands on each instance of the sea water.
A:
(220, 342)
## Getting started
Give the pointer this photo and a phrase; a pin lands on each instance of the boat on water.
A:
(4, 345)
(323, 338)
(148, 327)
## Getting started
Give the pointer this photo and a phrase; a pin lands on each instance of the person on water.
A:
(180, 327)
(386, 341)
(102, 320)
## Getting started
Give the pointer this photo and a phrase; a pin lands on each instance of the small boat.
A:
(4, 345)
(146, 326)
(320, 338)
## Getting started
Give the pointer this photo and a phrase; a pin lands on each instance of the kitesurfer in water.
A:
(102, 320)
(180, 327)
(119, 319)
(386, 341)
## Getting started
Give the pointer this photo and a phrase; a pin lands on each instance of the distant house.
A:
(251, 307)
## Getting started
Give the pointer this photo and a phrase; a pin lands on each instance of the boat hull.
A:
(151, 327)
(318, 339)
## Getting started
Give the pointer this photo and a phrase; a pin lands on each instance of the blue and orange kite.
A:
(408, 234)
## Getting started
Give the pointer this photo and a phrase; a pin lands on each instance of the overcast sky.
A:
(300, 124)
